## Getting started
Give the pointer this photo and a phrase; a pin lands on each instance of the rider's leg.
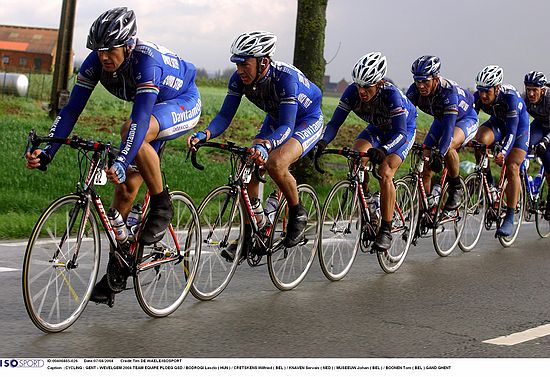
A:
(513, 162)
(277, 166)
(427, 173)
(387, 171)
(452, 162)
(486, 135)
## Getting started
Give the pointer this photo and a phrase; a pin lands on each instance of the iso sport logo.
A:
(22, 363)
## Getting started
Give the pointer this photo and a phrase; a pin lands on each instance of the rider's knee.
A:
(125, 192)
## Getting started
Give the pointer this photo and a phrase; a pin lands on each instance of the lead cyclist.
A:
(166, 105)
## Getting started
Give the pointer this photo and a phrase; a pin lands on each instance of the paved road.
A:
(432, 307)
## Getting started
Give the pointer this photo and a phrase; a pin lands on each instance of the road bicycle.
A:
(348, 224)
(223, 214)
(431, 216)
(63, 253)
(536, 194)
(487, 205)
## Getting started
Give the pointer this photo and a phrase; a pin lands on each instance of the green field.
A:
(26, 193)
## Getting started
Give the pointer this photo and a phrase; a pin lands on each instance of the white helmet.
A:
(370, 69)
(253, 44)
(490, 76)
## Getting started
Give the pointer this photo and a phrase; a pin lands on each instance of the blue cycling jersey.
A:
(449, 104)
(151, 74)
(284, 93)
(508, 112)
(390, 111)
(540, 112)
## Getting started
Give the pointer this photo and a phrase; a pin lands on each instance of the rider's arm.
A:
(288, 108)
(85, 83)
(229, 107)
(398, 117)
(450, 114)
(340, 114)
(147, 75)
(511, 123)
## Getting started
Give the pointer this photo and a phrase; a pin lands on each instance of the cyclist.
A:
(166, 105)
(537, 99)
(508, 125)
(455, 121)
(291, 128)
(390, 132)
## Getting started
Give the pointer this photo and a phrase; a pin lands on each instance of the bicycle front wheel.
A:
(476, 208)
(340, 231)
(518, 214)
(165, 270)
(449, 224)
(288, 267)
(61, 264)
(543, 226)
(221, 217)
(404, 214)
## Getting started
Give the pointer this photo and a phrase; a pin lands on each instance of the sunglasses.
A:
(483, 89)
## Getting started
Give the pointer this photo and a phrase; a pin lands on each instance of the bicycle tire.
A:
(518, 217)
(340, 231)
(477, 208)
(56, 293)
(542, 225)
(165, 271)
(402, 229)
(445, 241)
(288, 267)
(215, 271)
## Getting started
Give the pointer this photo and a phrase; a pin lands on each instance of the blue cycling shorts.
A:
(378, 138)
(177, 116)
(522, 134)
(307, 130)
(468, 125)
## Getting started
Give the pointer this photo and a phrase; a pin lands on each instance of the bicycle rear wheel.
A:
(288, 267)
(542, 225)
(404, 214)
(518, 216)
(340, 231)
(165, 270)
(449, 224)
(221, 216)
(61, 264)
(476, 209)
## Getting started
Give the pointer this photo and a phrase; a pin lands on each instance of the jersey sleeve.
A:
(288, 108)
(450, 114)
(398, 116)
(87, 79)
(511, 123)
(147, 74)
(229, 107)
(347, 102)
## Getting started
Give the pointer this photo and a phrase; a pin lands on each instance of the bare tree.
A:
(309, 58)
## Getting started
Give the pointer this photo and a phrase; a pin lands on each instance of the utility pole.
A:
(61, 72)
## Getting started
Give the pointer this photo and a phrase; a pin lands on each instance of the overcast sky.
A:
(466, 34)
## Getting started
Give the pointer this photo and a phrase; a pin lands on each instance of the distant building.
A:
(334, 87)
(24, 49)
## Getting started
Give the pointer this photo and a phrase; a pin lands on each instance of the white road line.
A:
(6, 269)
(520, 337)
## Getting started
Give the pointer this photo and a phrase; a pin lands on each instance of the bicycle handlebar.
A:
(348, 153)
(230, 147)
(75, 142)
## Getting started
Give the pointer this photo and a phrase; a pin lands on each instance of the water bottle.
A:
(258, 211)
(436, 193)
(271, 206)
(133, 221)
(118, 224)
(373, 202)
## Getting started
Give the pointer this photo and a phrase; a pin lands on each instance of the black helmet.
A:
(535, 78)
(112, 29)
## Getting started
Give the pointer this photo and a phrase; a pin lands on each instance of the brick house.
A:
(24, 49)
